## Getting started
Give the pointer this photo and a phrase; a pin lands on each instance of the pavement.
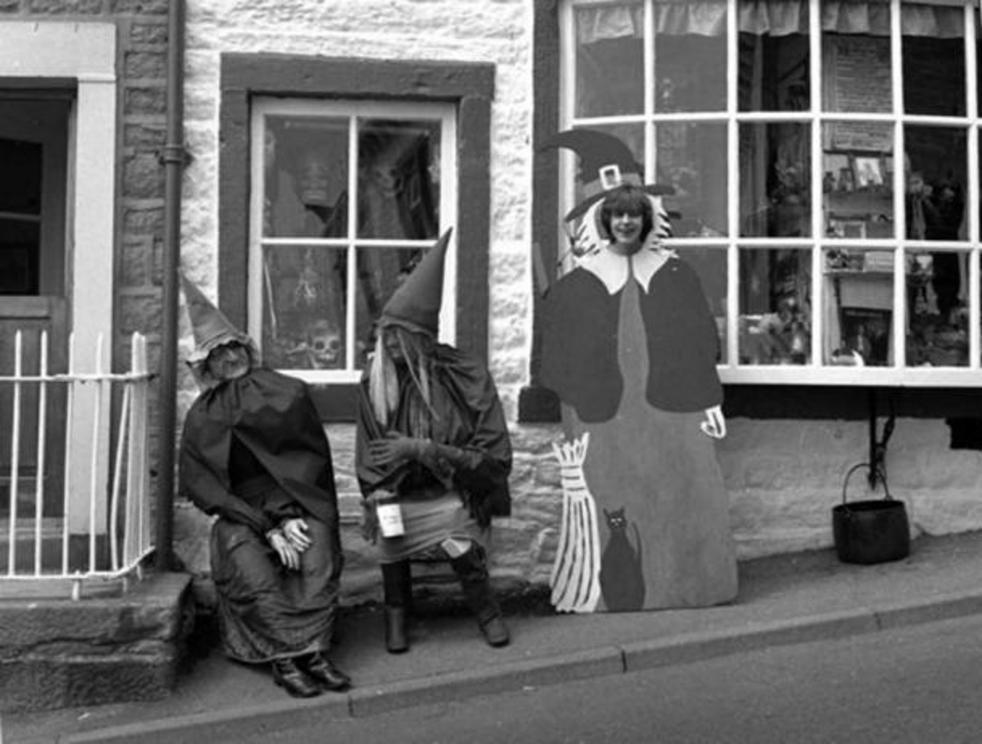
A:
(786, 599)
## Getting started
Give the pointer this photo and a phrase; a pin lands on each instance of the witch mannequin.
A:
(432, 455)
(630, 347)
(254, 454)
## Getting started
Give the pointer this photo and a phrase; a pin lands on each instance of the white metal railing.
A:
(100, 531)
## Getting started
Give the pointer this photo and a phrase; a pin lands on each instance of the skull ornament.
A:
(324, 344)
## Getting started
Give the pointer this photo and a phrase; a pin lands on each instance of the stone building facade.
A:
(783, 463)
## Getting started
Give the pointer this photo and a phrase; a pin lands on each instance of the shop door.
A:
(34, 134)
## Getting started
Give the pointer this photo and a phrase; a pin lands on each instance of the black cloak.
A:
(580, 337)
(272, 416)
(470, 451)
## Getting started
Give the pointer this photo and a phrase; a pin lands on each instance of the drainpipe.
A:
(173, 157)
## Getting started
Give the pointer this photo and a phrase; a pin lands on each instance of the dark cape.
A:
(271, 415)
(253, 452)
(473, 451)
(580, 337)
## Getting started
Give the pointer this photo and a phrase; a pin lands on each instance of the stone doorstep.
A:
(58, 653)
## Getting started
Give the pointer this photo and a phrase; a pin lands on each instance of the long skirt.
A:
(428, 520)
(265, 610)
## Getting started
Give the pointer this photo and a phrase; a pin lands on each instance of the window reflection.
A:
(710, 266)
(775, 306)
(775, 177)
(689, 160)
(609, 59)
(937, 328)
(773, 60)
(304, 307)
(306, 175)
(857, 180)
(858, 299)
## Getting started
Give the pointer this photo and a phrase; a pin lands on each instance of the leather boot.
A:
(397, 596)
(288, 675)
(323, 670)
(471, 568)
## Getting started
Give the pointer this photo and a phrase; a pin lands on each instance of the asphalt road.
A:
(918, 684)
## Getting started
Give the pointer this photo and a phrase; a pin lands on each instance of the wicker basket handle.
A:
(879, 472)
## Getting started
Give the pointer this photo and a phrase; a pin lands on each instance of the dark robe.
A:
(580, 341)
(472, 452)
(254, 452)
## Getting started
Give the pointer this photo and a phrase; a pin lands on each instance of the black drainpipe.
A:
(173, 158)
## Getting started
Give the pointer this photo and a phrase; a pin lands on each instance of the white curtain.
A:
(615, 20)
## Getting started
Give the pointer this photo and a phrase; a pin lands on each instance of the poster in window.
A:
(857, 78)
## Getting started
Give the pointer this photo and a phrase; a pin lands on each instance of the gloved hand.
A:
(395, 448)
(289, 555)
(295, 531)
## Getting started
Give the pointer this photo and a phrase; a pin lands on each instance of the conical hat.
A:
(210, 326)
(605, 163)
(416, 302)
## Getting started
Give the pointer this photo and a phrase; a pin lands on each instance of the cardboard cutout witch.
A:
(630, 348)
(254, 454)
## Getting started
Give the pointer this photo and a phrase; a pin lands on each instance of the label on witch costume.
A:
(390, 519)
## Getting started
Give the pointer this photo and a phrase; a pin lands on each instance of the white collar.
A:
(612, 268)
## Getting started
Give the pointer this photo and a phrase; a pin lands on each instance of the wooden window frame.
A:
(469, 86)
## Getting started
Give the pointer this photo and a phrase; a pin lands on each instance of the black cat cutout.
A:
(621, 572)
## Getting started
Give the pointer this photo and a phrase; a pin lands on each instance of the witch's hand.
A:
(295, 531)
(395, 448)
(289, 555)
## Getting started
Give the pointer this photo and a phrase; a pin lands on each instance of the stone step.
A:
(59, 653)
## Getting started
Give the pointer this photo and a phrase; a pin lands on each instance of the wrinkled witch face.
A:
(228, 361)
(324, 342)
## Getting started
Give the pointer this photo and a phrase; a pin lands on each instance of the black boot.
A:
(397, 595)
(288, 675)
(471, 568)
(323, 670)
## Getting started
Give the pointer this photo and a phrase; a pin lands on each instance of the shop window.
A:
(830, 180)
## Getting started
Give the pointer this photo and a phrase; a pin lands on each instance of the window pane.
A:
(20, 223)
(934, 60)
(936, 179)
(857, 180)
(710, 265)
(938, 329)
(775, 177)
(398, 179)
(690, 56)
(858, 290)
(773, 59)
(856, 68)
(380, 271)
(775, 306)
(690, 159)
(304, 307)
(306, 176)
(609, 59)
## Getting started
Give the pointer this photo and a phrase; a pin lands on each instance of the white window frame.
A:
(445, 113)
(814, 372)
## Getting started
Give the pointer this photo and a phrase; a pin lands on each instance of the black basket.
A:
(873, 531)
